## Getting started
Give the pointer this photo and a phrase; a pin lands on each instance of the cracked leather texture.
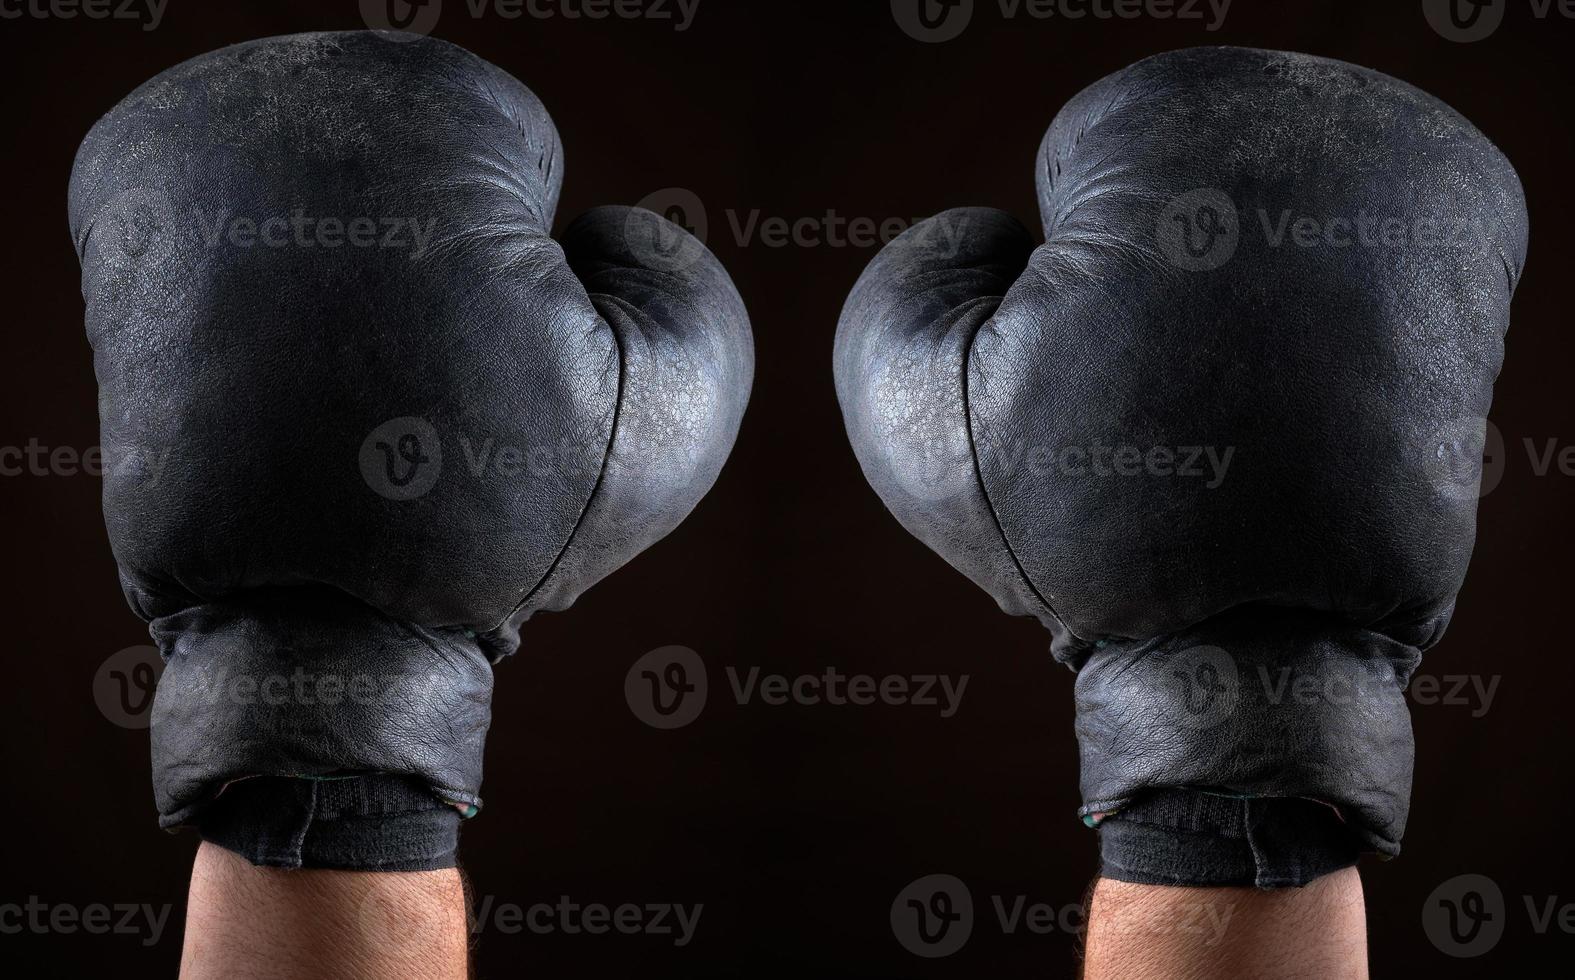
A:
(1251, 638)
(579, 399)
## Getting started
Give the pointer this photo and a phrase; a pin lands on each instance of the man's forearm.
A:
(250, 923)
(1148, 932)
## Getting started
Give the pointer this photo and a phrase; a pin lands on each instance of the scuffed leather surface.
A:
(260, 549)
(1337, 375)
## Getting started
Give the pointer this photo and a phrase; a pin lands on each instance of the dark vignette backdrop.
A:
(795, 825)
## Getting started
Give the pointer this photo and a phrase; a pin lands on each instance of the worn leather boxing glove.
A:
(1221, 433)
(365, 417)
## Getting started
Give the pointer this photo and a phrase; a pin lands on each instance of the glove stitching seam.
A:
(601, 474)
(978, 470)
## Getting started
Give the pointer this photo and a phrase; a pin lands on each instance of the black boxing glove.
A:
(365, 417)
(1221, 433)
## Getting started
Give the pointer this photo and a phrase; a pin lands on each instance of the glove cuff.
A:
(1258, 704)
(362, 823)
(1182, 837)
(309, 683)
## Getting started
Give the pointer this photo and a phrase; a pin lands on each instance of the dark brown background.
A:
(795, 825)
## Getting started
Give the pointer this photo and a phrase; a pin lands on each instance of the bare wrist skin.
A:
(252, 923)
(1150, 932)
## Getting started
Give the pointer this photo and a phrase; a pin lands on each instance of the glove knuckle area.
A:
(681, 400)
(905, 403)
(684, 358)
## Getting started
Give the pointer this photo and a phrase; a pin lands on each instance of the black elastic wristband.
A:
(1186, 837)
(379, 822)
